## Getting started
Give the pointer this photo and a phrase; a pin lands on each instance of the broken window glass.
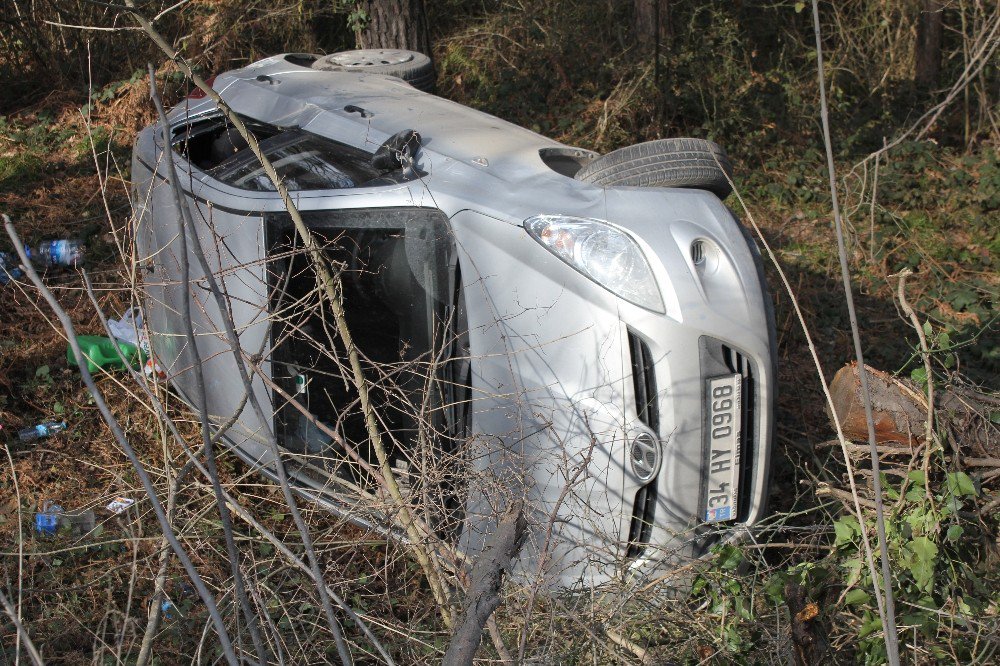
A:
(303, 162)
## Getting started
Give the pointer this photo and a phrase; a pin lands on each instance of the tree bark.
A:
(650, 22)
(928, 49)
(651, 30)
(483, 596)
(395, 24)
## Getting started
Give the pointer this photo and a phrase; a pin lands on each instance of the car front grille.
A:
(719, 359)
(648, 409)
(739, 364)
(644, 382)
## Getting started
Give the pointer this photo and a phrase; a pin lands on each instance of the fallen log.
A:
(898, 411)
(483, 595)
(963, 415)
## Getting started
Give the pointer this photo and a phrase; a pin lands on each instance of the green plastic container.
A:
(100, 352)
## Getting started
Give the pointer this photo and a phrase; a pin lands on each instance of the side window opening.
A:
(304, 161)
(208, 142)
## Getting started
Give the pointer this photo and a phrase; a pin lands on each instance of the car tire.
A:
(413, 67)
(694, 163)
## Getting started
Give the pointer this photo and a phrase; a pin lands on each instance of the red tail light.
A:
(198, 93)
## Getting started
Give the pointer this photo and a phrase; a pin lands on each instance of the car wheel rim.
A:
(371, 58)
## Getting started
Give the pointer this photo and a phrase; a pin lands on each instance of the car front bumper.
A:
(557, 398)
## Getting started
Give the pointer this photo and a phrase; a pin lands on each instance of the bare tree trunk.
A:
(650, 24)
(651, 28)
(928, 49)
(395, 24)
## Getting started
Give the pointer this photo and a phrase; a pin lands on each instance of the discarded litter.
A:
(120, 504)
(129, 329)
(79, 522)
(47, 520)
(9, 268)
(53, 518)
(102, 352)
(66, 252)
(41, 431)
(129, 346)
(167, 609)
(152, 368)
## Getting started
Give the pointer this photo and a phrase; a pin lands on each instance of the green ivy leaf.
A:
(730, 558)
(960, 485)
(919, 520)
(923, 553)
(954, 533)
(857, 597)
(853, 566)
(775, 588)
(845, 529)
(873, 624)
(799, 6)
(963, 299)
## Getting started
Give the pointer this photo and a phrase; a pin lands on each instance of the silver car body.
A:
(553, 353)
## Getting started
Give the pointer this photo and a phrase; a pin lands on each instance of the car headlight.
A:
(606, 255)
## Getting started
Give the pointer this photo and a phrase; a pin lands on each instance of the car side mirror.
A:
(397, 152)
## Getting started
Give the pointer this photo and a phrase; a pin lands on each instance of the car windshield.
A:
(303, 162)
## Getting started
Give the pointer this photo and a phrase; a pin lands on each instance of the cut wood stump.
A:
(899, 412)
(965, 416)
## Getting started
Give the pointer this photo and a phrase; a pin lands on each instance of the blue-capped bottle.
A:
(65, 252)
(9, 267)
(41, 431)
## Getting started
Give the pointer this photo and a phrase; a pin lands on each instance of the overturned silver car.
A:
(589, 333)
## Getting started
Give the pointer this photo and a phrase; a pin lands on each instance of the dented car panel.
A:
(566, 379)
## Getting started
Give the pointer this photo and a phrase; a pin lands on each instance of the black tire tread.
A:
(425, 82)
(678, 162)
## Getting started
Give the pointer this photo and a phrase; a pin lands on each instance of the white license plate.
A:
(723, 433)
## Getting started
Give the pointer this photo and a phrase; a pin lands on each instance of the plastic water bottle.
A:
(9, 268)
(53, 518)
(66, 252)
(47, 520)
(41, 431)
